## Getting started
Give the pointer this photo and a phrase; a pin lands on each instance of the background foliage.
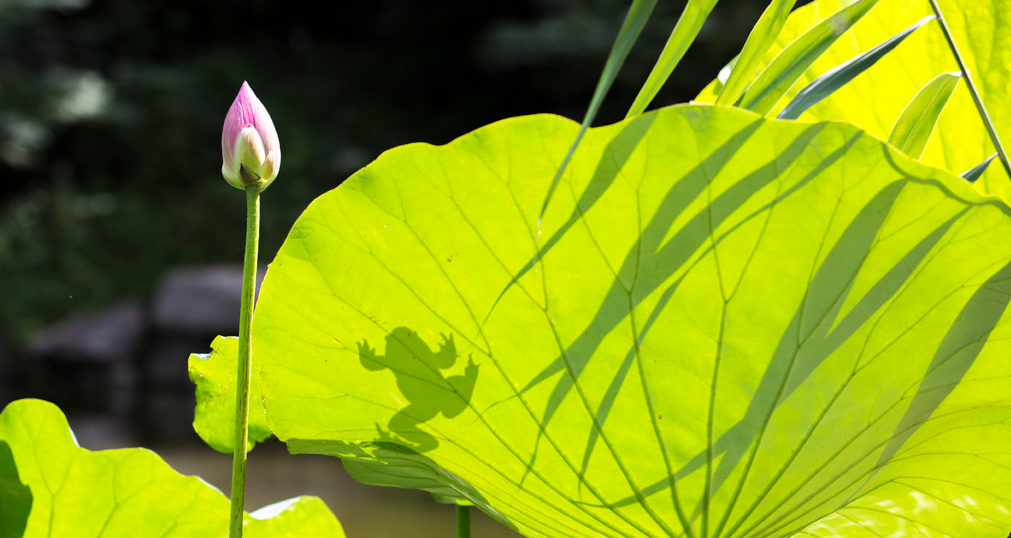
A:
(110, 114)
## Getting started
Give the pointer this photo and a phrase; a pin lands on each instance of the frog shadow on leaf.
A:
(428, 392)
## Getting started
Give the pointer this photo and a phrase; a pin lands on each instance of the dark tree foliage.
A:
(111, 111)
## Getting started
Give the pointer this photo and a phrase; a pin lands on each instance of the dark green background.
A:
(111, 112)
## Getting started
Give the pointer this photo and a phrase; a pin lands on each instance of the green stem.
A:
(462, 521)
(972, 89)
(245, 359)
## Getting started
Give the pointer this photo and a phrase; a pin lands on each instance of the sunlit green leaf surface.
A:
(214, 376)
(299, 517)
(728, 326)
(53, 488)
(915, 507)
(874, 100)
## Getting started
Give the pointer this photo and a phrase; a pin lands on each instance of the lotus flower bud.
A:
(250, 152)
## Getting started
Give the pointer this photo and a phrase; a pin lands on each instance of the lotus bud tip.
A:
(250, 152)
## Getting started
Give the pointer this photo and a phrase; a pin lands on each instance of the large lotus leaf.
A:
(724, 323)
(52, 487)
(874, 100)
(299, 517)
(214, 376)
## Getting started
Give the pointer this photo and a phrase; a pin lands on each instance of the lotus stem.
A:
(245, 359)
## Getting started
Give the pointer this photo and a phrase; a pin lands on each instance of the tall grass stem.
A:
(972, 88)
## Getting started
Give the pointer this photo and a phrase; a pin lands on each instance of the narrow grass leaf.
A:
(763, 35)
(916, 123)
(681, 37)
(972, 174)
(837, 77)
(635, 21)
(773, 82)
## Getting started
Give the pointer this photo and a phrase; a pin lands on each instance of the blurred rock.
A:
(101, 431)
(113, 334)
(128, 363)
(200, 300)
(86, 361)
(191, 306)
(164, 409)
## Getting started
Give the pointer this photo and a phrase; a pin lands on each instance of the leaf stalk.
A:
(462, 521)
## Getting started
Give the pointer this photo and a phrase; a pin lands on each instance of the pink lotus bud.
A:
(250, 152)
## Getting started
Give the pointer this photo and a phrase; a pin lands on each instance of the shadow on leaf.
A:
(15, 497)
(420, 380)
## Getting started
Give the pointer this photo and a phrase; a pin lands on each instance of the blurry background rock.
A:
(196, 301)
(127, 362)
(86, 361)
(191, 305)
